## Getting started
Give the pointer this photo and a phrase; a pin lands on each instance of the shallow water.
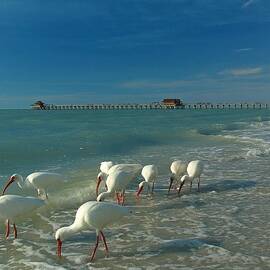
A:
(225, 226)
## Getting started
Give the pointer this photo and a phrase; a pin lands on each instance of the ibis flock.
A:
(94, 214)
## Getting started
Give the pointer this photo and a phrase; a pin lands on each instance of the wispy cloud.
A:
(153, 84)
(242, 71)
(244, 50)
(248, 3)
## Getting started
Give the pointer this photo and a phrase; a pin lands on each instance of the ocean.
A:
(225, 226)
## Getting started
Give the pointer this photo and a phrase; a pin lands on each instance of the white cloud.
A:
(248, 3)
(243, 50)
(147, 84)
(242, 71)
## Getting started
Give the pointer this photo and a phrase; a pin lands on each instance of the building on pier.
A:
(172, 102)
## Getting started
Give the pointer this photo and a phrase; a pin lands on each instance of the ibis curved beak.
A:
(10, 181)
(59, 247)
(181, 187)
(170, 186)
(139, 191)
(98, 184)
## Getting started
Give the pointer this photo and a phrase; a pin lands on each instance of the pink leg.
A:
(123, 197)
(120, 198)
(117, 198)
(95, 249)
(105, 244)
(15, 231)
(7, 229)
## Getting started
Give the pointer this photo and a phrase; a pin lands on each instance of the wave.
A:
(257, 147)
(261, 118)
(245, 139)
(219, 128)
(253, 153)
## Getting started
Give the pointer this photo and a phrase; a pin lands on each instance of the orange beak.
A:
(10, 181)
(139, 191)
(59, 248)
(181, 187)
(98, 184)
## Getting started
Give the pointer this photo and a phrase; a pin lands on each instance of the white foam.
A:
(44, 265)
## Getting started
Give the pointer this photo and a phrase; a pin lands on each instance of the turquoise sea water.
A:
(226, 226)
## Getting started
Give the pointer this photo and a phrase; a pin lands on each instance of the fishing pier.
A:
(166, 104)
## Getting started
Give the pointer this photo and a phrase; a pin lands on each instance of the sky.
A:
(117, 51)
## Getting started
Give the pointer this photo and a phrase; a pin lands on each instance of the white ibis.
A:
(119, 177)
(107, 169)
(194, 170)
(178, 169)
(92, 214)
(104, 172)
(149, 173)
(41, 181)
(12, 206)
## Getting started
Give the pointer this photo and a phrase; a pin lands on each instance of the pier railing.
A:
(155, 106)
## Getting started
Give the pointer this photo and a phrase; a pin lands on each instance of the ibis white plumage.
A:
(107, 168)
(41, 181)
(119, 177)
(13, 206)
(194, 170)
(149, 173)
(93, 214)
(178, 169)
(103, 174)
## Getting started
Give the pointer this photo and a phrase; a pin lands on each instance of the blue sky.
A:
(81, 51)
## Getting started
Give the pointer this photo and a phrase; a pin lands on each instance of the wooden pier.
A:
(153, 106)
(228, 106)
